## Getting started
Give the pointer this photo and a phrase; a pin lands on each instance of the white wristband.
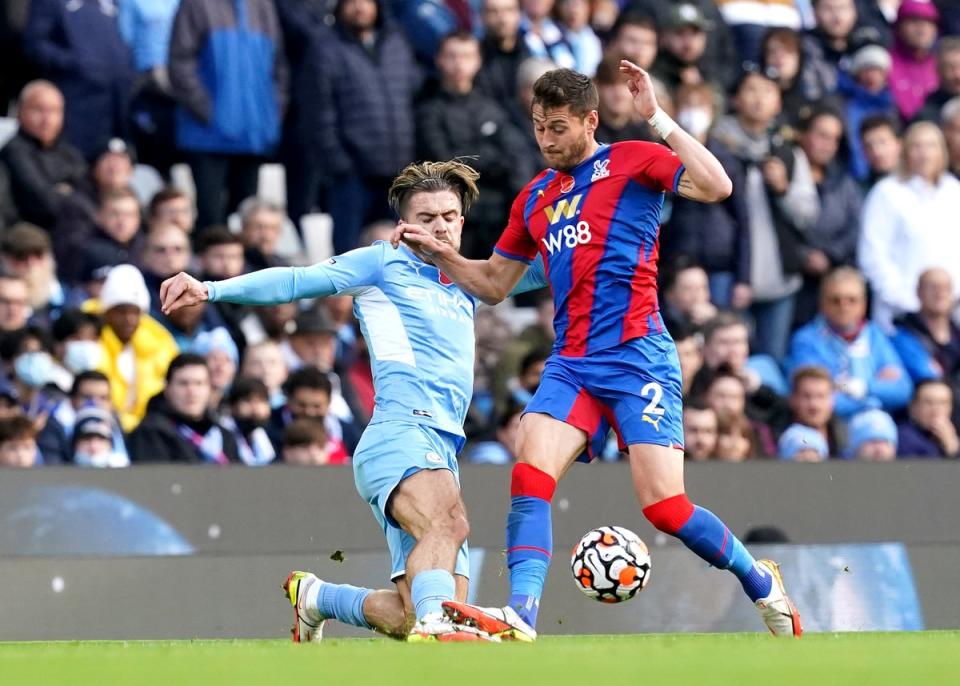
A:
(662, 123)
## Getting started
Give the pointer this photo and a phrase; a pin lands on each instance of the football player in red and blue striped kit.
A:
(594, 219)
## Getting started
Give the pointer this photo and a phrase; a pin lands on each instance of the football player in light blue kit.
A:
(419, 329)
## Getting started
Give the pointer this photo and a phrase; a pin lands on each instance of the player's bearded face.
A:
(563, 137)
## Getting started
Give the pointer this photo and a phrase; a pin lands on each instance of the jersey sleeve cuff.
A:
(512, 256)
(211, 291)
(676, 177)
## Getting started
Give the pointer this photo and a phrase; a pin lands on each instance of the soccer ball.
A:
(610, 564)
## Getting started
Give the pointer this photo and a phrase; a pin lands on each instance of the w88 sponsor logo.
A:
(570, 236)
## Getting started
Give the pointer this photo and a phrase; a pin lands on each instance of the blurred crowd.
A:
(813, 310)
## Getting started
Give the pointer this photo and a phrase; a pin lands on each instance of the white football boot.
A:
(306, 629)
(438, 628)
(499, 622)
(777, 610)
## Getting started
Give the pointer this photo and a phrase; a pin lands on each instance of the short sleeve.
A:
(516, 243)
(656, 166)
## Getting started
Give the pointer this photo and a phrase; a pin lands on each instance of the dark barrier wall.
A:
(181, 552)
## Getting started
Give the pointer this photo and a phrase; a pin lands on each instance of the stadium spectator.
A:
(138, 349)
(309, 392)
(503, 50)
(261, 223)
(179, 425)
(804, 77)
(146, 26)
(832, 240)
(781, 199)
(950, 116)
(749, 20)
(736, 440)
(166, 251)
(76, 340)
(189, 323)
(222, 257)
(525, 384)
(503, 354)
(93, 440)
(682, 58)
(574, 20)
(78, 47)
(913, 74)
(689, 344)
(110, 170)
(8, 208)
(172, 206)
(617, 115)
(248, 406)
(832, 38)
(880, 139)
(861, 360)
(223, 358)
(928, 430)
(634, 37)
(873, 436)
(542, 35)
(519, 106)
(44, 168)
(305, 443)
(229, 75)
(948, 73)
(18, 445)
(501, 450)
(116, 238)
(25, 252)
(265, 361)
(726, 340)
(686, 295)
(908, 224)
(340, 310)
(9, 401)
(89, 284)
(91, 389)
(725, 392)
(866, 94)
(715, 235)
(800, 443)
(457, 120)
(699, 432)
(811, 403)
(14, 302)
(31, 370)
(357, 105)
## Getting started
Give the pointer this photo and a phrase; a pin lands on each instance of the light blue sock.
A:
(344, 603)
(429, 589)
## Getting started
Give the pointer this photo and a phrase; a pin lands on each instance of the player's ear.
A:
(592, 121)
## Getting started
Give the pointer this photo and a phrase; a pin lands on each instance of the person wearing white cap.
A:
(138, 348)
(866, 91)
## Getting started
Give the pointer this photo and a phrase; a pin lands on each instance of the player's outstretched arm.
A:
(265, 287)
(704, 178)
(490, 280)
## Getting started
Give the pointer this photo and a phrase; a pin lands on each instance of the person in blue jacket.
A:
(864, 365)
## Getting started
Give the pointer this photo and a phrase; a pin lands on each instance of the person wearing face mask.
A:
(248, 407)
(76, 343)
(715, 236)
(91, 390)
(93, 444)
(26, 357)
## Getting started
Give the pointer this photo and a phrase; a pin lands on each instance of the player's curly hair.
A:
(430, 177)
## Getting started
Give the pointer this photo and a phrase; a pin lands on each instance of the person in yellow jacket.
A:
(137, 348)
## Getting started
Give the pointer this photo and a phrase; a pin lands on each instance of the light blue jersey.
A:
(418, 325)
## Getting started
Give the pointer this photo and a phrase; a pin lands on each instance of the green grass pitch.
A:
(674, 659)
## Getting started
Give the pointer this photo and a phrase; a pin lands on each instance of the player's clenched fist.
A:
(181, 290)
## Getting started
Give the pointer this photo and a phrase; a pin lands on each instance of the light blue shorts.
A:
(387, 454)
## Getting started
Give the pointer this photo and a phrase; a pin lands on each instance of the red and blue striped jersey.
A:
(597, 228)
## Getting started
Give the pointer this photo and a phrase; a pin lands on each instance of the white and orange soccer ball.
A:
(611, 564)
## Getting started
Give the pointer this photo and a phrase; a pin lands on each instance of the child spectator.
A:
(93, 440)
(736, 440)
(802, 444)
(873, 436)
(18, 445)
(866, 93)
(929, 432)
(305, 443)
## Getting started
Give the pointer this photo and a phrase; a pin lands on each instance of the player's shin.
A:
(529, 538)
(429, 589)
(703, 533)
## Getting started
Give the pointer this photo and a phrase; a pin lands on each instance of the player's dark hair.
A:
(879, 121)
(304, 432)
(184, 360)
(17, 428)
(246, 387)
(83, 377)
(560, 88)
(433, 177)
(308, 377)
(216, 235)
(164, 195)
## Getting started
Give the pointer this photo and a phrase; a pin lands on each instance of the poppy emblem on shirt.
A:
(445, 280)
(567, 183)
